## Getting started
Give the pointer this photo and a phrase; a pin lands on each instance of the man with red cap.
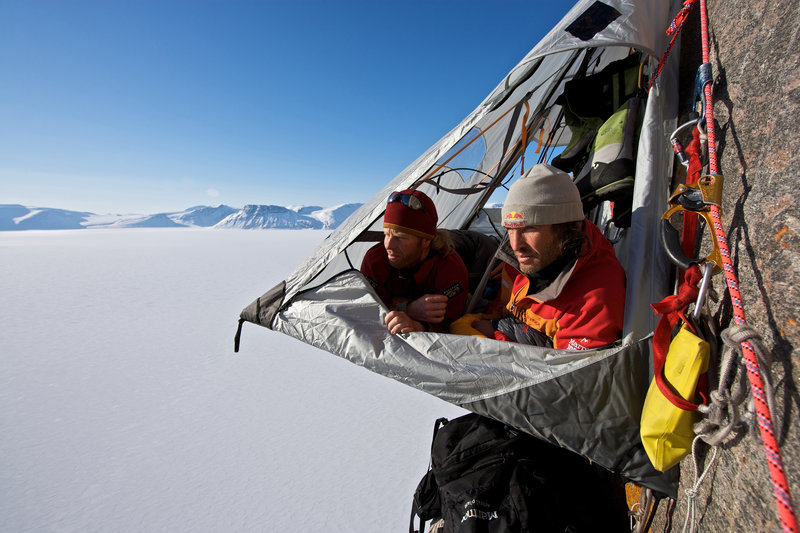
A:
(416, 271)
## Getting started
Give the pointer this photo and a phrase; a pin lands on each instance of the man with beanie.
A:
(563, 287)
(567, 289)
(416, 271)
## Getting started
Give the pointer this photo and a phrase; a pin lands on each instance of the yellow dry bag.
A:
(669, 413)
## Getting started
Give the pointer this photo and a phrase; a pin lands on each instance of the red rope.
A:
(674, 29)
(780, 485)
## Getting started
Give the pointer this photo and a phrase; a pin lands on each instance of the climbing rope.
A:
(674, 30)
(779, 482)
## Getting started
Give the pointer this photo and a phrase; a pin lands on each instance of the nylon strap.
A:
(524, 137)
(693, 173)
(672, 309)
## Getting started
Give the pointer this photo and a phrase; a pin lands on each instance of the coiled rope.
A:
(722, 414)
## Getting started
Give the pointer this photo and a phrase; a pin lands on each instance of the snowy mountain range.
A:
(18, 217)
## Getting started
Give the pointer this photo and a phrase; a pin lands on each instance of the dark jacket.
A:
(438, 274)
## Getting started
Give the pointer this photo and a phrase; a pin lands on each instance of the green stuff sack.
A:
(611, 174)
(589, 101)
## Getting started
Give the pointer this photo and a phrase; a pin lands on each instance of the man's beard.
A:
(408, 260)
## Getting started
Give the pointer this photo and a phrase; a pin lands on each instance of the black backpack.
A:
(487, 477)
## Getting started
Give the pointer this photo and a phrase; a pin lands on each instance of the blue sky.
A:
(143, 106)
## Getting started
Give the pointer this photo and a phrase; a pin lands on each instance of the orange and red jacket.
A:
(438, 274)
(584, 307)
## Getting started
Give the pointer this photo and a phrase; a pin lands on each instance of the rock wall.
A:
(755, 54)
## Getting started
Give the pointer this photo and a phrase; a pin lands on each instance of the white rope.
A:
(635, 514)
(691, 492)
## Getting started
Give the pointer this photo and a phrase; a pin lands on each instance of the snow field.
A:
(124, 408)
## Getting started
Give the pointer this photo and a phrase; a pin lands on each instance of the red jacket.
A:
(584, 307)
(438, 274)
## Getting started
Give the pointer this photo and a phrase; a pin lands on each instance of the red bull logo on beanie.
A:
(514, 219)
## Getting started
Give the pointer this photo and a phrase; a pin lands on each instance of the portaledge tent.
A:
(588, 402)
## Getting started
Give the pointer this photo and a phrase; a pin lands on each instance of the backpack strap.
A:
(411, 528)
(426, 485)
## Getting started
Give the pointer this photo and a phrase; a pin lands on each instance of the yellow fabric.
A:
(666, 430)
(548, 326)
(463, 326)
(633, 493)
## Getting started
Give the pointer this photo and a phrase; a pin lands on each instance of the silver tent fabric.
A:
(588, 402)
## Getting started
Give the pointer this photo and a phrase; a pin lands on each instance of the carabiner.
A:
(708, 270)
(677, 146)
(705, 76)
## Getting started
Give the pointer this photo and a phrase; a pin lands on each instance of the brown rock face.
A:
(755, 54)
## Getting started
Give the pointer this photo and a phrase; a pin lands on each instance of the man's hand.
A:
(430, 308)
(400, 322)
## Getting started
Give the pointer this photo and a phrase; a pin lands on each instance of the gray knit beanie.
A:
(544, 195)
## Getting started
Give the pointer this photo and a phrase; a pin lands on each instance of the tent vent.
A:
(593, 20)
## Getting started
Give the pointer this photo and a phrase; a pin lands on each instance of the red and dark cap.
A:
(411, 211)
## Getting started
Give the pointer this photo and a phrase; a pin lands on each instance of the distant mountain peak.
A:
(268, 216)
(252, 216)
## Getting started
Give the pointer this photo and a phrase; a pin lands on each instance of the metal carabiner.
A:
(677, 146)
(705, 76)
(708, 271)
